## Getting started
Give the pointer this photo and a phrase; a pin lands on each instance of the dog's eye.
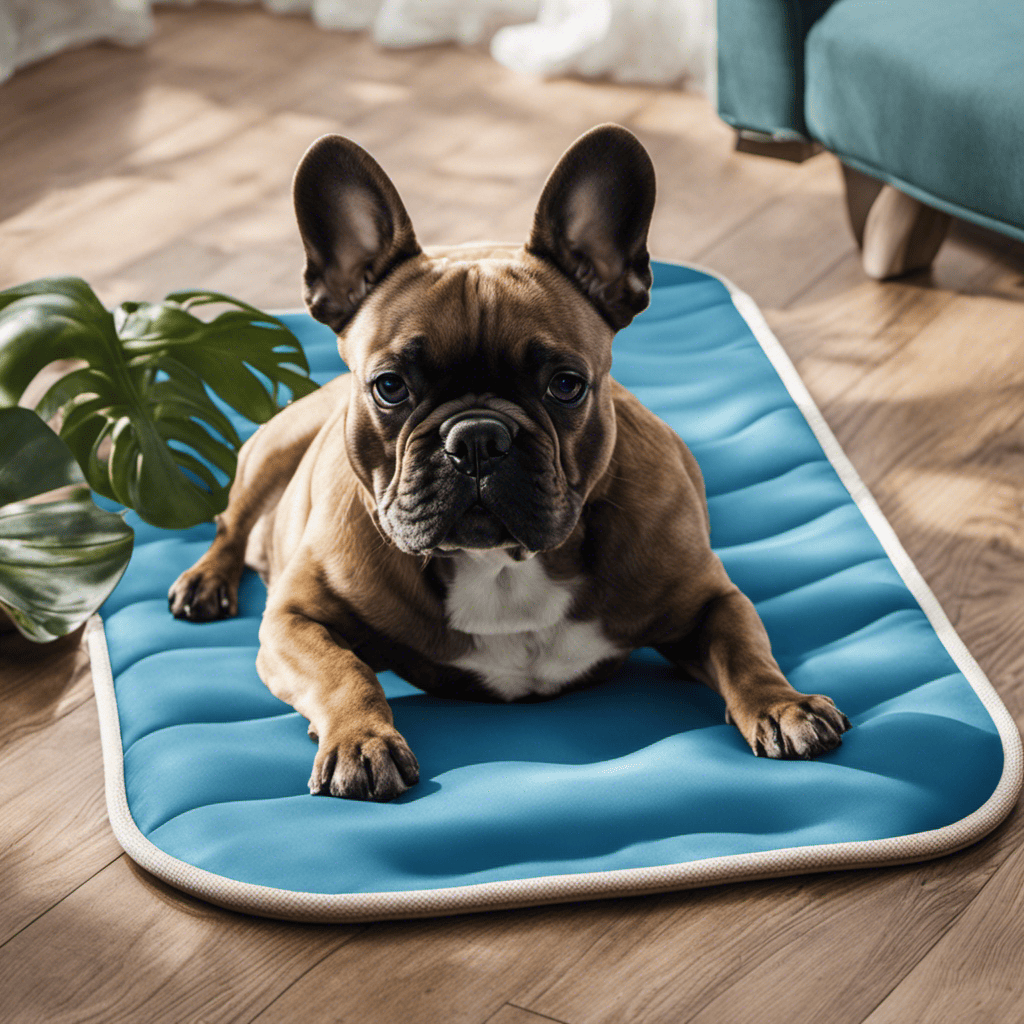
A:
(567, 388)
(390, 389)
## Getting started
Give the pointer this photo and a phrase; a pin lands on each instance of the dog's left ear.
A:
(592, 221)
(353, 226)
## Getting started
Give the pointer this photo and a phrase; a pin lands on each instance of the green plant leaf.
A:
(59, 558)
(34, 461)
(141, 417)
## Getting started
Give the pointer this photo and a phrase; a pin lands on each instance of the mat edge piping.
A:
(354, 907)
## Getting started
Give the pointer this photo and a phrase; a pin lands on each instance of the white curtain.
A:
(659, 42)
(33, 29)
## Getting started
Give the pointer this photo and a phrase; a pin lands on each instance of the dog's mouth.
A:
(521, 507)
(477, 527)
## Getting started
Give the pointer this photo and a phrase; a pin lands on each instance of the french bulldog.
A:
(477, 505)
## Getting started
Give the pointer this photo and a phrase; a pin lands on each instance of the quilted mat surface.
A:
(635, 785)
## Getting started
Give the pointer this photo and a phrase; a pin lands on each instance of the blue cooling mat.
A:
(637, 785)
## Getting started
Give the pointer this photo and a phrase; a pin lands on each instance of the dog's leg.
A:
(361, 755)
(266, 462)
(730, 651)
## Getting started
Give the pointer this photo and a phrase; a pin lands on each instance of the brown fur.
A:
(325, 500)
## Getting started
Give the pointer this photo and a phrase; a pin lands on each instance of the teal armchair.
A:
(921, 100)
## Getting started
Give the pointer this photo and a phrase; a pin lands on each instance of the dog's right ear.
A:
(353, 226)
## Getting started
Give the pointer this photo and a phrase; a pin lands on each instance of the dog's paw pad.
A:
(202, 595)
(799, 728)
(374, 763)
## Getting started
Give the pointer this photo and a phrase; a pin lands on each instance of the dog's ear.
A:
(592, 221)
(353, 226)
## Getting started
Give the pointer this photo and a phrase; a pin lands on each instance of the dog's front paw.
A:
(797, 726)
(202, 594)
(369, 763)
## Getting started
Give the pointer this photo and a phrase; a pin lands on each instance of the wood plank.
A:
(973, 972)
(822, 947)
(39, 684)
(510, 1014)
(792, 239)
(845, 324)
(944, 468)
(108, 104)
(57, 153)
(934, 403)
(845, 967)
(123, 947)
(976, 577)
(150, 211)
(568, 102)
(56, 94)
(458, 970)
(973, 543)
(181, 264)
(54, 832)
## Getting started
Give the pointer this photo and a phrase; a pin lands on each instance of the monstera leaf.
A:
(61, 556)
(139, 416)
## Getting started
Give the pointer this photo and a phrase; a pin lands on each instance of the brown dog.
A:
(478, 505)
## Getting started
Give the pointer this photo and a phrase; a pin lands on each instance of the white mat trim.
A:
(354, 907)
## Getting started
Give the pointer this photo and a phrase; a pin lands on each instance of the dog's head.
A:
(481, 413)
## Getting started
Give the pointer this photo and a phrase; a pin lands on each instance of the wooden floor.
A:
(151, 170)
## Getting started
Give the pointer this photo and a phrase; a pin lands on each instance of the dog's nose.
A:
(475, 442)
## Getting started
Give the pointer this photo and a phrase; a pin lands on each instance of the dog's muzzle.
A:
(475, 441)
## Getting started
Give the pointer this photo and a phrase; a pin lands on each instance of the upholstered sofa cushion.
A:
(927, 95)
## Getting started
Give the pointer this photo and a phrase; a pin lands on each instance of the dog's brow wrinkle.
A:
(541, 352)
(410, 351)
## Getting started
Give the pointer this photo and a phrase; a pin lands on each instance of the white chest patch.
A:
(516, 615)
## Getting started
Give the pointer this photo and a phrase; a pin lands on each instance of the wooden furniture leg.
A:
(897, 234)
